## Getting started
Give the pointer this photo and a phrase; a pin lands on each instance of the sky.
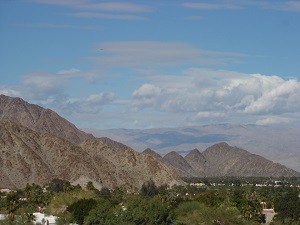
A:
(152, 64)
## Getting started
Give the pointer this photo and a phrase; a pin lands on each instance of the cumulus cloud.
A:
(9, 91)
(155, 53)
(216, 93)
(50, 90)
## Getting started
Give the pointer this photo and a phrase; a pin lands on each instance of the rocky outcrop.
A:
(225, 160)
(197, 161)
(176, 161)
(39, 119)
(30, 157)
(149, 151)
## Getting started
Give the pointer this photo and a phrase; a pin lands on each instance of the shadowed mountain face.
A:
(177, 162)
(29, 157)
(278, 143)
(39, 119)
(153, 153)
(38, 145)
(197, 161)
(224, 160)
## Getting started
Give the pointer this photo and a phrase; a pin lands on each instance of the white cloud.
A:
(272, 120)
(204, 115)
(56, 26)
(95, 15)
(147, 54)
(9, 91)
(102, 98)
(68, 72)
(147, 90)
(238, 4)
(212, 6)
(219, 92)
(100, 6)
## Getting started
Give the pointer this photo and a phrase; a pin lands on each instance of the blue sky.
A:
(144, 64)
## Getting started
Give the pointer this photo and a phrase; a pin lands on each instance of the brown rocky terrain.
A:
(27, 157)
(153, 153)
(225, 160)
(197, 161)
(176, 161)
(39, 119)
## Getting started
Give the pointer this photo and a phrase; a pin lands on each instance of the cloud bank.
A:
(220, 94)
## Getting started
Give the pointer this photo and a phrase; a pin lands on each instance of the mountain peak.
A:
(149, 151)
(39, 119)
(39, 145)
(179, 163)
(196, 159)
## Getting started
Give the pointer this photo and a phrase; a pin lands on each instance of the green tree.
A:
(81, 209)
(104, 214)
(149, 189)
(90, 186)
(288, 207)
(144, 211)
(57, 185)
(211, 216)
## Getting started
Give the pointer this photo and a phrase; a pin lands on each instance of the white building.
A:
(41, 218)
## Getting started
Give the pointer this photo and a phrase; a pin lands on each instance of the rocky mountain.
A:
(39, 119)
(176, 161)
(27, 157)
(280, 143)
(224, 160)
(38, 145)
(152, 153)
(197, 161)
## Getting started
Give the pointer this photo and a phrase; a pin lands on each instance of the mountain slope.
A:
(224, 160)
(177, 162)
(153, 153)
(39, 119)
(28, 157)
(197, 161)
(279, 143)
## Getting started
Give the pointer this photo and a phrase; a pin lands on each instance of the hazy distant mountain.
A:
(39, 119)
(279, 144)
(38, 145)
(177, 162)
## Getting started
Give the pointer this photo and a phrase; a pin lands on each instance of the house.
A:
(2, 216)
(41, 218)
(269, 215)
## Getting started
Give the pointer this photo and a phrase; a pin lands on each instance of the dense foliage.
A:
(229, 202)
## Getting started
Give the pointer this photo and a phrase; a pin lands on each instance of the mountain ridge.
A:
(224, 160)
(39, 119)
(280, 144)
(37, 148)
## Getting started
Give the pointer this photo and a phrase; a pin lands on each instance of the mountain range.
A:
(37, 145)
(279, 143)
(223, 160)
